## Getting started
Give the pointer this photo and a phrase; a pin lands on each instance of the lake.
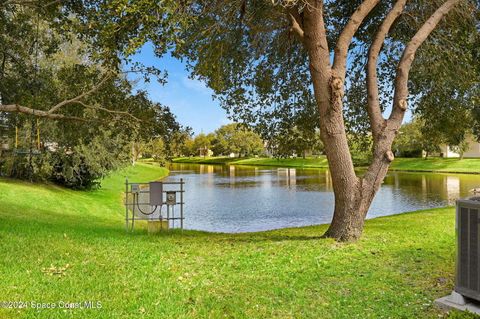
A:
(245, 199)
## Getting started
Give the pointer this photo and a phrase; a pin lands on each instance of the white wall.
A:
(473, 151)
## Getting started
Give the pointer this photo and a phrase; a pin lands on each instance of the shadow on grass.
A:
(44, 222)
(20, 219)
(260, 237)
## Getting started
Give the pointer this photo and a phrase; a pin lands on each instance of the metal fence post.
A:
(181, 203)
(126, 204)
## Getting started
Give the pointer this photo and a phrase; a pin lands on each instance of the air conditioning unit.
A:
(468, 247)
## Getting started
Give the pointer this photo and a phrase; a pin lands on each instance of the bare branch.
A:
(319, 55)
(15, 108)
(313, 16)
(79, 97)
(11, 108)
(51, 3)
(403, 70)
(51, 114)
(373, 108)
(108, 110)
(345, 38)
(297, 27)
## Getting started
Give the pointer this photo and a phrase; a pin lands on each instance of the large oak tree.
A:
(270, 60)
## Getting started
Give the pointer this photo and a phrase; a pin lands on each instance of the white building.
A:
(473, 150)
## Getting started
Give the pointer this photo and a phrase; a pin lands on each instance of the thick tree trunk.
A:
(349, 214)
(347, 222)
(353, 194)
(353, 197)
(328, 86)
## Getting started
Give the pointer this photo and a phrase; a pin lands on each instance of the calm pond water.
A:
(243, 199)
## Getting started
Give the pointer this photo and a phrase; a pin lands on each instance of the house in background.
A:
(205, 152)
(473, 150)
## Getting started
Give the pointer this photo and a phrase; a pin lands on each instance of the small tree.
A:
(156, 149)
(296, 140)
(176, 145)
(461, 148)
(410, 141)
(234, 138)
(202, 144)
(248, 142)
(188, 148)
(223, 143)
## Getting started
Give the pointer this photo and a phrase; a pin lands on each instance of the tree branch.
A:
(79, 97)
(11, 108)
(316, 44)
(345, 38)
(297, 26)
(383, 155)
(403, 70)
(15, 108)
(51, 114)
(51, 2)
(373, 107)
(108, 110)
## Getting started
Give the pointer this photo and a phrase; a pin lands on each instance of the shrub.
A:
(83, 166)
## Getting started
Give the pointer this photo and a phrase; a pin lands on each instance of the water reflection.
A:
(240, 198)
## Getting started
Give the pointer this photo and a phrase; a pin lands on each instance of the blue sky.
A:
(190, 100)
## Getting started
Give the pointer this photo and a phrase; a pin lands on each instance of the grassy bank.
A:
(442, 165)
(61, 245)
(310, 162)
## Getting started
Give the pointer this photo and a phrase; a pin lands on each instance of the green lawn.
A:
(309, 162)
(450, 165)
(444, 165)
(62, 245)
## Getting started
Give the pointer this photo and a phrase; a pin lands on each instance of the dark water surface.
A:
(244, 198)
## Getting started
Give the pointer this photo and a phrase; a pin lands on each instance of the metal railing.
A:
(154, 201)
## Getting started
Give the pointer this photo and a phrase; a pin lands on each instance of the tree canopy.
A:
(54, 68)
(249, 54)
(236, 139)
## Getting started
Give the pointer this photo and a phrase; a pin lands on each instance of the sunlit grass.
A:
(309, 162)
(451, 165)
(445, 165)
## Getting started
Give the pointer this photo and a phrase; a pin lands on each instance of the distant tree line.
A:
(228, 139)
(240, 141)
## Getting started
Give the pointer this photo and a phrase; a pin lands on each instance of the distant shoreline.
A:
(432, 165)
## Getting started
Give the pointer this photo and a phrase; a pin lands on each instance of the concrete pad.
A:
(459, 302)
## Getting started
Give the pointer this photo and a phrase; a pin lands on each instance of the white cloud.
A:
(196, 85)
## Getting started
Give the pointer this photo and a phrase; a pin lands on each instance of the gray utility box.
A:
(156, 193)
(468, 247)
